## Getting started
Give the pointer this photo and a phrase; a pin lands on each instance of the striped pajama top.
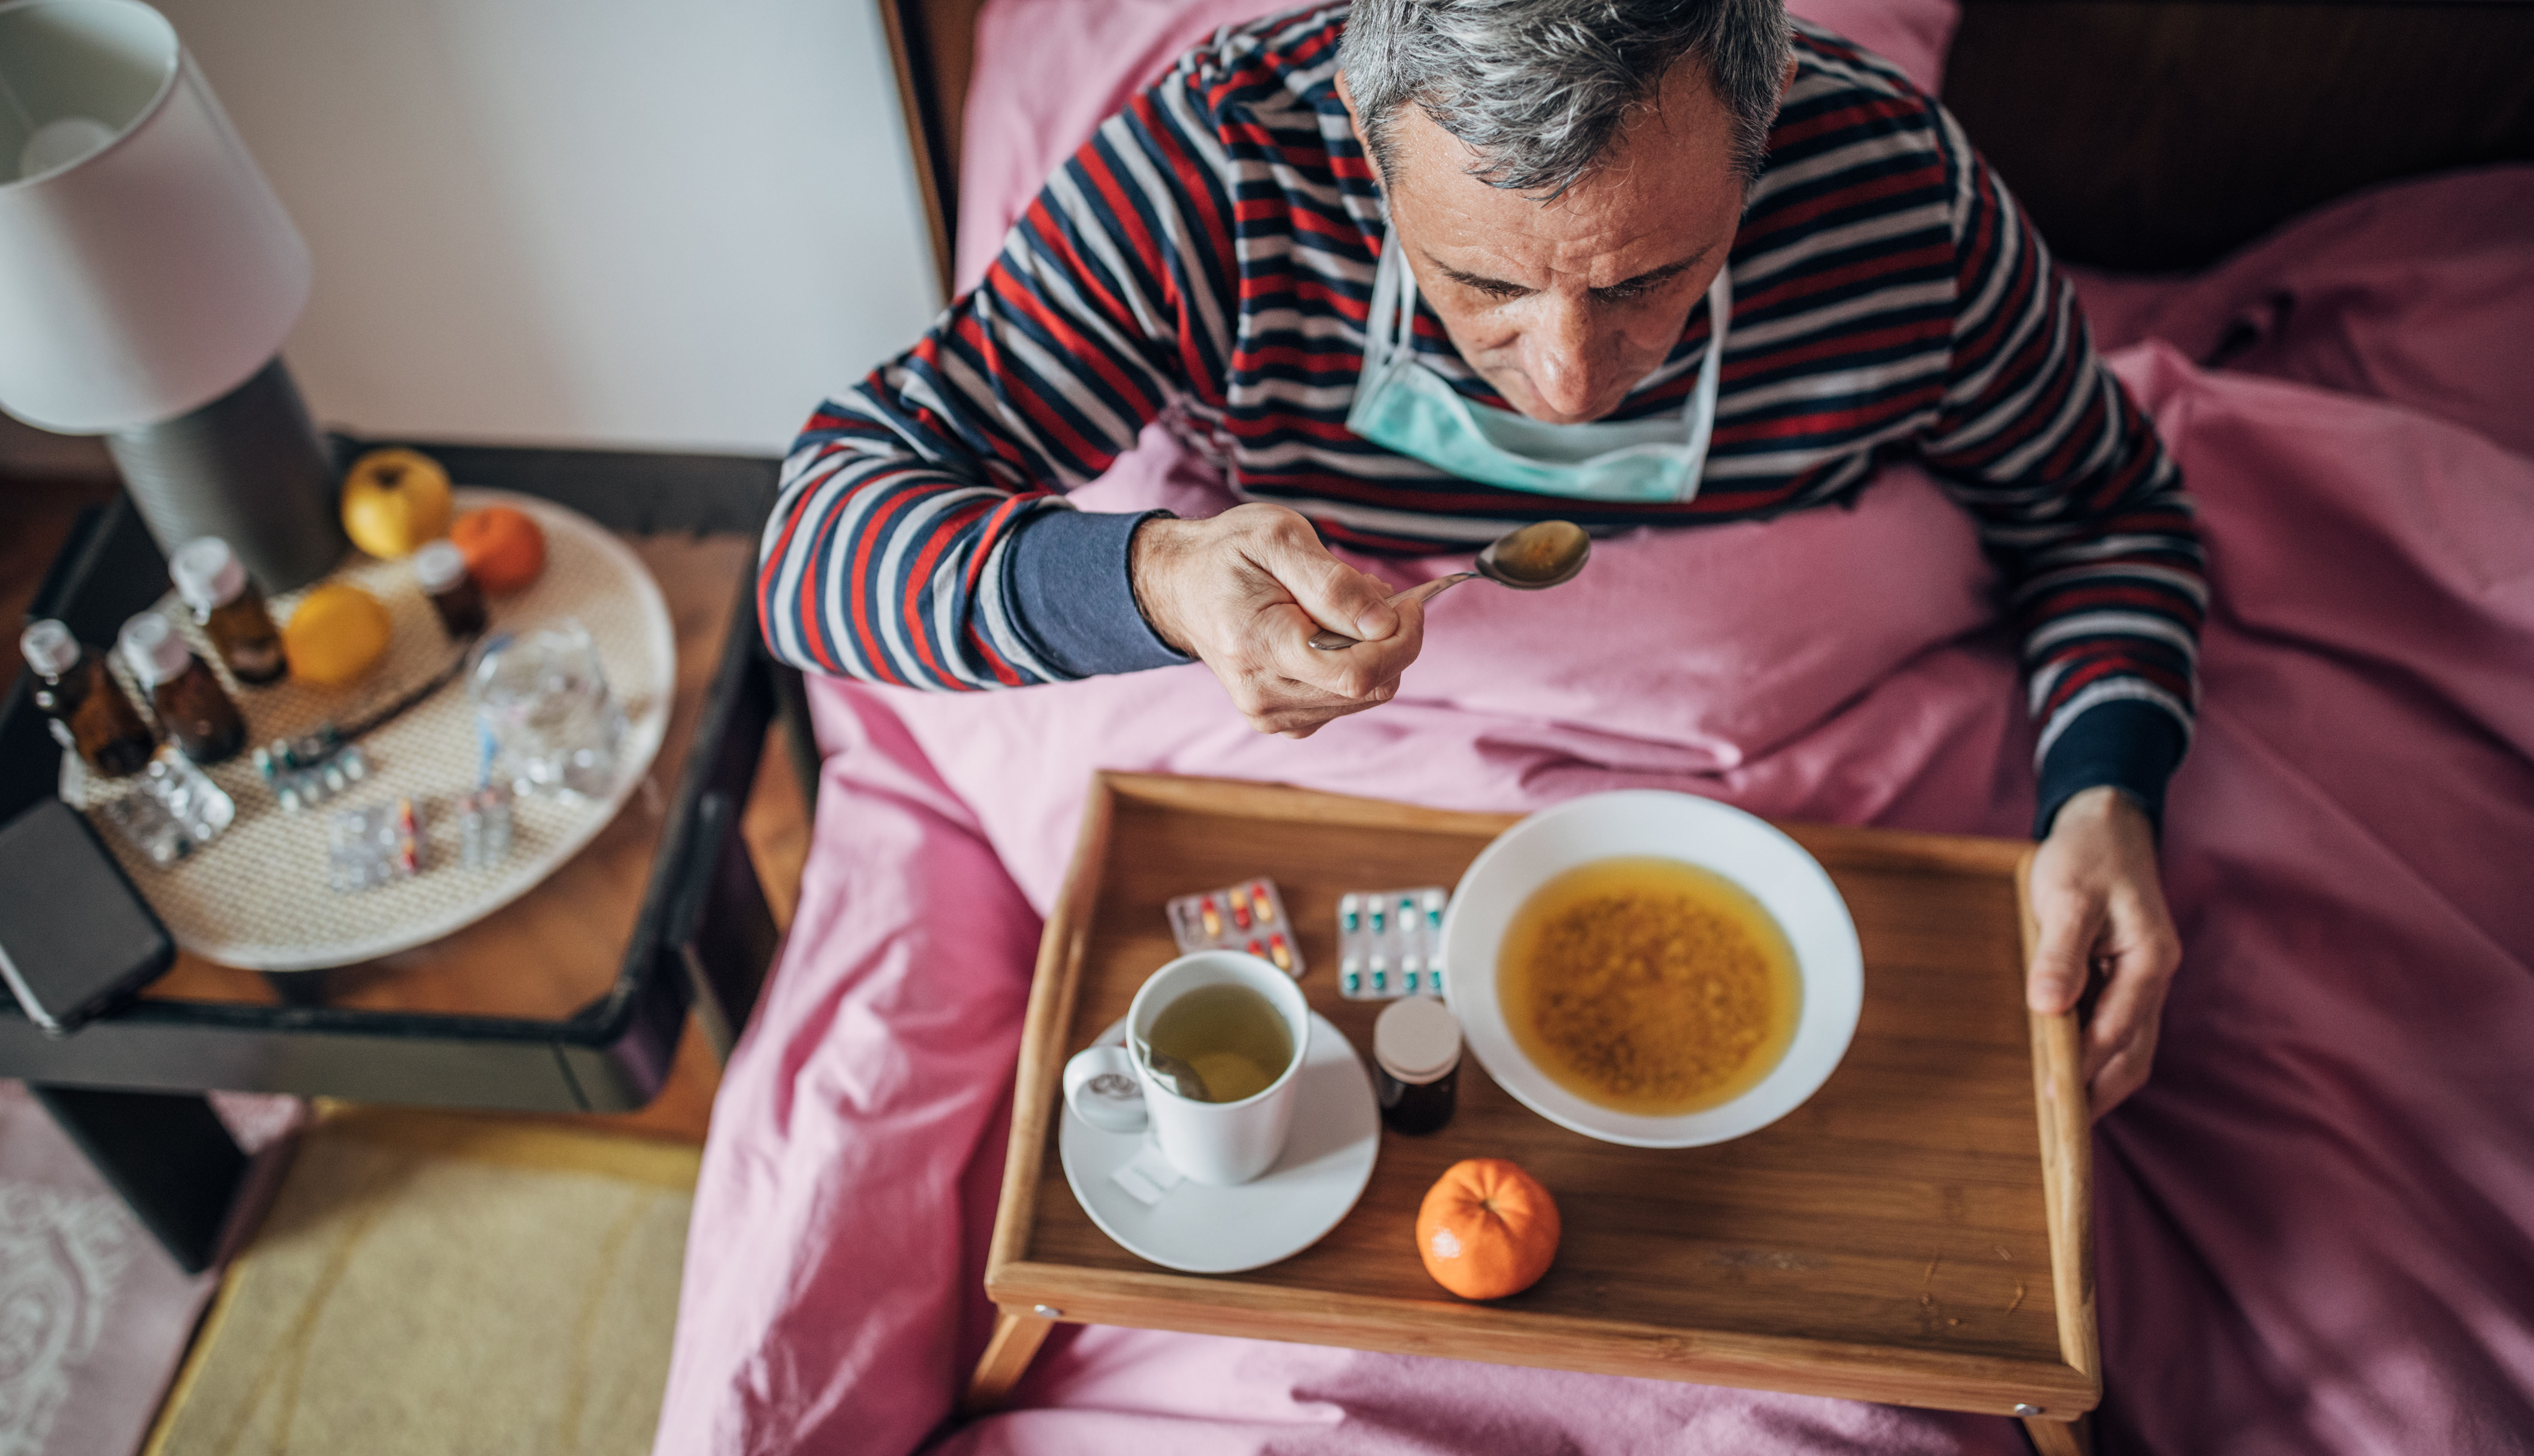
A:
(1206, 261)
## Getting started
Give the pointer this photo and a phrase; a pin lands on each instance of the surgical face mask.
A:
(1401, 404)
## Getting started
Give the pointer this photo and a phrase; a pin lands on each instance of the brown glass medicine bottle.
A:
(192, 706)
(89, 711)
(441, 571)
(212, 580)
(1417, 1055)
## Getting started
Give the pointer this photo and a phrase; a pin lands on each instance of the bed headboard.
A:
(2149, 136)
(2144, 135)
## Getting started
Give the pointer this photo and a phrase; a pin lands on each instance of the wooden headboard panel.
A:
(2144, 135)
(2160, 136)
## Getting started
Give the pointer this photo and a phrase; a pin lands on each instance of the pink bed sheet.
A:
(2317, 1222)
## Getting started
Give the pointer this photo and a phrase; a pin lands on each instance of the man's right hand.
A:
(1243, 591)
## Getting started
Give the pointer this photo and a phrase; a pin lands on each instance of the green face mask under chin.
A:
(1403, 406)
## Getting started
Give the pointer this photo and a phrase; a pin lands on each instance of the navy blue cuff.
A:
(2129, 745)
(1068, 594)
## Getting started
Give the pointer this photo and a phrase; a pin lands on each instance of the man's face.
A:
(1563, 306)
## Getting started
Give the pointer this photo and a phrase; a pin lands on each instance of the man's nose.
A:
(1569, 367)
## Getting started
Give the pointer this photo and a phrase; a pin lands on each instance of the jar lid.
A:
(50, 648)
(206, 573)
(1416, 1040)
(439, 566)
(150, 644)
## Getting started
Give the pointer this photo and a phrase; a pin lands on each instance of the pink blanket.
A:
(2317, 1222)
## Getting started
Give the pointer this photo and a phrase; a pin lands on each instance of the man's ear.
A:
(1783, 87)
(1354, 119)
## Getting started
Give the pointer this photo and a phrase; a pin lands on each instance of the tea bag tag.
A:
(1147, 1177)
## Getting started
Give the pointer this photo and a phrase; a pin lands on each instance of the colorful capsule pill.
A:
(1256, 948)
(1212, 920)
(1381, 922)
(1240, 909)
(1351, 913)
(1265, 904)
(1283, 957)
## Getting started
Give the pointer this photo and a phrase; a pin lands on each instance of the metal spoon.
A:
(1543, 554)
(1170, 1071)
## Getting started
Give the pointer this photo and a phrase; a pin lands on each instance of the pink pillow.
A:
(1048, 72)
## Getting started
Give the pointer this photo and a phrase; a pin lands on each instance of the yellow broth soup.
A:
(1648, 985)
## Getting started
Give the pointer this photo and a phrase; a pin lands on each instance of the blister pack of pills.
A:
(1249, 916)
(1390, 942)
(372, 846)
(174, 810)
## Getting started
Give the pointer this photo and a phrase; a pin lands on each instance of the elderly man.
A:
(1420, 271)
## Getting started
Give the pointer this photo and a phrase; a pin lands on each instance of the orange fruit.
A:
(503, 548)
(335, 635)
(1486, 1229)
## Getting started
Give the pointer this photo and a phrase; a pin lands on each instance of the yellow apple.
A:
(394, 501)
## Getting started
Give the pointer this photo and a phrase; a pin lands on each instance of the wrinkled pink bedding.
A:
(2316, 1223)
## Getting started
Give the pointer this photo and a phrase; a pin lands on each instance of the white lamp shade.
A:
(145, 277)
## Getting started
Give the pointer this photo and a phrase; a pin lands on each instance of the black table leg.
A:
(166, 1153)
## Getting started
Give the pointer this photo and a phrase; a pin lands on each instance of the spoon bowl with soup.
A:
(1533, 558)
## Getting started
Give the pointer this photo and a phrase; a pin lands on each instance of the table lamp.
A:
(147, 277)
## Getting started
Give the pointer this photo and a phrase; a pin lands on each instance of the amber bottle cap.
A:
(206, 573)
(1416, 1040)
(50, 648)
(151, 645)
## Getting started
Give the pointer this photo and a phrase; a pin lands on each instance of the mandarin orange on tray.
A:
(1486, 1229)
(505, 549)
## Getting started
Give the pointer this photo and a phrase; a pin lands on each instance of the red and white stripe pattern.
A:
(1207, 258)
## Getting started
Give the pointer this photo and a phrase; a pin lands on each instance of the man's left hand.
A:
(2104, 929)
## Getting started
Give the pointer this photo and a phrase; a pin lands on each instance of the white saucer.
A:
(1199, 1228)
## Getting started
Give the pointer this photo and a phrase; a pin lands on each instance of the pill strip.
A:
(1390, 942)
(1248, 916)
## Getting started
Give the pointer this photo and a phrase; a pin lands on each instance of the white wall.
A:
(669, 223)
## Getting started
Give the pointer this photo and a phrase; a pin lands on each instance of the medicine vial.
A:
(212, 581)
(440, 569)
(192, 706)
(1417, 1054)
(90, 714)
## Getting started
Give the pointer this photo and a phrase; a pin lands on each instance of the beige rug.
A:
(426, 1285)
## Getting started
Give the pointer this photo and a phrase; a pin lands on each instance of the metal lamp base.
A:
(248, 468)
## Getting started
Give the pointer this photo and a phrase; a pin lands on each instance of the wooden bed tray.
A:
(1918, 1233)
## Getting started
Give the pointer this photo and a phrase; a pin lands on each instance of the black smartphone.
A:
(74, 937)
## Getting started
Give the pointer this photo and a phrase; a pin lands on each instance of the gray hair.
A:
(1540, 89)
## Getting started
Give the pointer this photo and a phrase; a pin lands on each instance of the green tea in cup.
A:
(1231, 1037)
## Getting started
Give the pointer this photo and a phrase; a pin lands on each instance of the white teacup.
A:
(1212, 1142)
